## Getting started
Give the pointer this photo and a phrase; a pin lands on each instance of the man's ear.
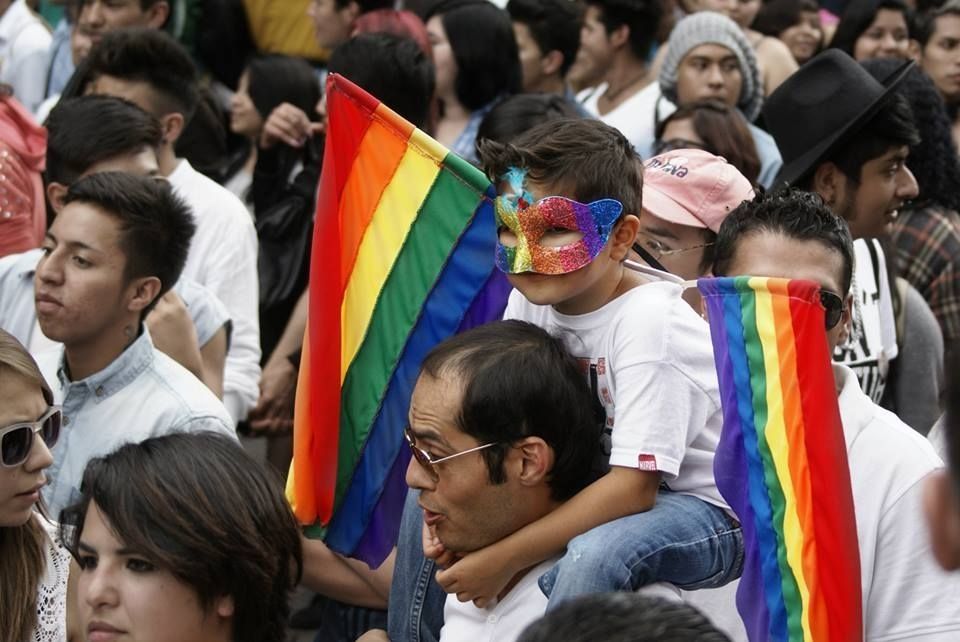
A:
(828, 182)
(55, 194)
(623, 235)
(157, 14)
(143, 291)
(224, 606)
(550, 64)
(620, 36)
(172, 125)
(351, 12)
(536, 460)
(942, 507)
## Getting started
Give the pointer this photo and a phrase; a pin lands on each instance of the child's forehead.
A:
(518, 182)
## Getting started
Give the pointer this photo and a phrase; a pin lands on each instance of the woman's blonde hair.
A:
(22, 548)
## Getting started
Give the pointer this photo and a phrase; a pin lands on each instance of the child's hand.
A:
(433, 549)
(479, 577)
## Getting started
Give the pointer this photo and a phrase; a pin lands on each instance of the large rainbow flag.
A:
(402, 258)
(782, 461)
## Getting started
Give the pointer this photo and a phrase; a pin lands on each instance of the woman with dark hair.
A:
(713, 127)
(796, 23)
(938, 34)
(266, 83)
(874, 29)
(33, 584)
(926, 233)
(183, 537)
(475, 53)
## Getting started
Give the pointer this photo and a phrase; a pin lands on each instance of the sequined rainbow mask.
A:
(530, 221)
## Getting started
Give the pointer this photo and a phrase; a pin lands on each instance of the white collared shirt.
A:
(24, 54)
(223, 257)
(143, 393)
(906, 595)
(502, 622)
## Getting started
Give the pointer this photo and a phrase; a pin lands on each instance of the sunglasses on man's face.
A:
(833, 305)
(16, 440)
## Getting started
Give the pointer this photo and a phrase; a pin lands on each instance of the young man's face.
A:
(531, 57)
(464, 509)
(99, 17)
(774, 255)
(872, 205)
(332, 26)
(596, 51)
(80, 286)
(941, 57)
(709, 71)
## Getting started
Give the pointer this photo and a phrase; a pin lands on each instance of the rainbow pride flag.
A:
(402, 258)
(782, 461)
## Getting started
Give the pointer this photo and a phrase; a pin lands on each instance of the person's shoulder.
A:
(189, 396)
(20, 264)
(880, 442)
(206, 195)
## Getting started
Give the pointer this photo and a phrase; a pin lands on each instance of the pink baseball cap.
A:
(693, 187)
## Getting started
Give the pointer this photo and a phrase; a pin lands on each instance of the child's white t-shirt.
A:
(649, 358)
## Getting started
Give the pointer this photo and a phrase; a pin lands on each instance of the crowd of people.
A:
(159, 168)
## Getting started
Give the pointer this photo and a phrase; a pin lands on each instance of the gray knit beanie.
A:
(710, 28)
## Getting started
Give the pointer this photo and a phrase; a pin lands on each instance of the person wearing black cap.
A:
(851, 148)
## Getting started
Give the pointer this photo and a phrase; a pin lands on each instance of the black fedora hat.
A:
(820, 106)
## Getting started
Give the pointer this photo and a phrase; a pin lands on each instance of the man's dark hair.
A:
(520, 382)
(791, 213)
(157, 225)
(366, 6)
(925, 24)
(641, 16)
(623, 617)
(87, 130)
(150, 56)
(583, 158)
(392, 68)
(892, 126)
(202, 509)
(933, 159)
(857, 18)
(484, 48)
(518, 114)
(554, 25)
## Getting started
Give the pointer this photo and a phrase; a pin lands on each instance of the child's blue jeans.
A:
(682, 540)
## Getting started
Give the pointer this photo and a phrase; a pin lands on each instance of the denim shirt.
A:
(415, 609)
(143, 393)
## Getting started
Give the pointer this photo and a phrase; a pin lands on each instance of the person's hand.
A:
(289, 125)
(173, 333)
(478, 577)
(433, 549)
(273, 413)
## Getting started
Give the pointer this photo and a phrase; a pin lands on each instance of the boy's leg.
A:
(681, 540)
